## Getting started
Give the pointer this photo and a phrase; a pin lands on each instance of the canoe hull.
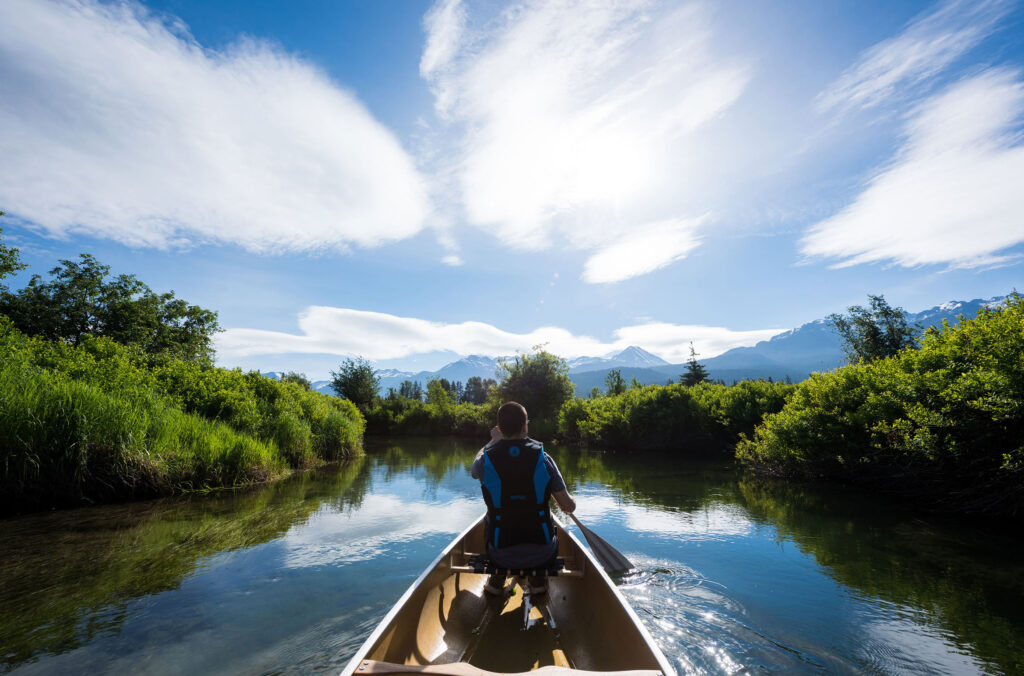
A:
(445, 618)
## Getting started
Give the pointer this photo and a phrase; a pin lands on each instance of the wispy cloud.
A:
(573, 120)
(953, 193)
(927, 46)
(444, 24)
(117, 124)
(376, 336)
(643, 250)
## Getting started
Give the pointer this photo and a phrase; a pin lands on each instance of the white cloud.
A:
(335, 538)
(453, 260)
(953, 193)
(444, 24)
(377, 336)
(928, 44)
(644, 250)
(574, 121)
(116, 124)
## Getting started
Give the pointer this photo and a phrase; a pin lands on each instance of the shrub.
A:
(671, 416)
(944, 421)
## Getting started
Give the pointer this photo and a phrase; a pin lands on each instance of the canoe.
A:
(445, 624)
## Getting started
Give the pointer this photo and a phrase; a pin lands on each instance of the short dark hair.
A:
(511, 418)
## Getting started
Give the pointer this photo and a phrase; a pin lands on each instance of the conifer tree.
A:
(695, 371)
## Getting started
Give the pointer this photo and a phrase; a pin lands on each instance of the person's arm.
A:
(476, 471)
(565, 501)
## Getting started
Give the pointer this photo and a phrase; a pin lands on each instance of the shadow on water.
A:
(82, 567)
(965, 576)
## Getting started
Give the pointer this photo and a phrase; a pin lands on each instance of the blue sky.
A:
(409, 181)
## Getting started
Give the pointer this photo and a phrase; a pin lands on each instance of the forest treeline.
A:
(936, 416)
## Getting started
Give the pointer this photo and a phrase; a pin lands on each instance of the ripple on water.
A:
(700, 627)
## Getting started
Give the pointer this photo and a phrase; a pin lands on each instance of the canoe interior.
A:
(581, 623)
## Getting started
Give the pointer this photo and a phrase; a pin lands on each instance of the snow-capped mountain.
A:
(632, 356)
(796, 353)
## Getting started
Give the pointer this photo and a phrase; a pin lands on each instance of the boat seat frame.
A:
(480, 564)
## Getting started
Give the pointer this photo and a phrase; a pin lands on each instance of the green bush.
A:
(248, 402)
(944, 421)
(65, 442)
(671, 416)
(400, 416)
(103, 421)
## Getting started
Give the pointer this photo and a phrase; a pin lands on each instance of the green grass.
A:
(102, 422)
(66, 442)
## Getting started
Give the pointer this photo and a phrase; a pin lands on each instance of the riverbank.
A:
(942, 424)
(104, 422)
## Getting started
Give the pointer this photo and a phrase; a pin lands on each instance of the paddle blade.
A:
(610, 558)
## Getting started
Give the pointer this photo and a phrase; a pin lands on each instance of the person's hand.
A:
(495, 434)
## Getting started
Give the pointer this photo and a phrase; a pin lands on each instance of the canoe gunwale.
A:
(463, 669)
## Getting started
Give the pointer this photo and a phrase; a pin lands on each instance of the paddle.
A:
(610, 558)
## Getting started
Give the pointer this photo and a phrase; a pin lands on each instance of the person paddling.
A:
(518, 479)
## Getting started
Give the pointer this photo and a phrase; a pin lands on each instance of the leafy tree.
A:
(410, 390)
(614, 383)
(10, 259)
(540, 382)
(595, 392)
(873, 332)
(477, 389)
(356, 381)
(440, 393)
(634, 383)
(695, 371)
(81, 300)
(298, 379)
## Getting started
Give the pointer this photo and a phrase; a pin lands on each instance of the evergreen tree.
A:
(411, 390)
(476, 389)
(695, 371)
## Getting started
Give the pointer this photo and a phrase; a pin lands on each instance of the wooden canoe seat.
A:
(464, 669)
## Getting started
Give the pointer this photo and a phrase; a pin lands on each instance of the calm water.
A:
(733, 576)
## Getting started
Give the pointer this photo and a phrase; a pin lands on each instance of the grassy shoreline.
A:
(101, 422)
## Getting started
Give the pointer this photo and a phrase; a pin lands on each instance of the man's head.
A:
(512, 420)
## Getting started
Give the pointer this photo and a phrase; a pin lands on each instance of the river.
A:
(733, 576)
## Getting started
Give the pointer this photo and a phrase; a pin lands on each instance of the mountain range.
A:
(795, 354)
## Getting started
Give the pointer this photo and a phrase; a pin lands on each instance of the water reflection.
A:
(733, 576)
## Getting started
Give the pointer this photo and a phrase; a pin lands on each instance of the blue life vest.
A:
(516, 489)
